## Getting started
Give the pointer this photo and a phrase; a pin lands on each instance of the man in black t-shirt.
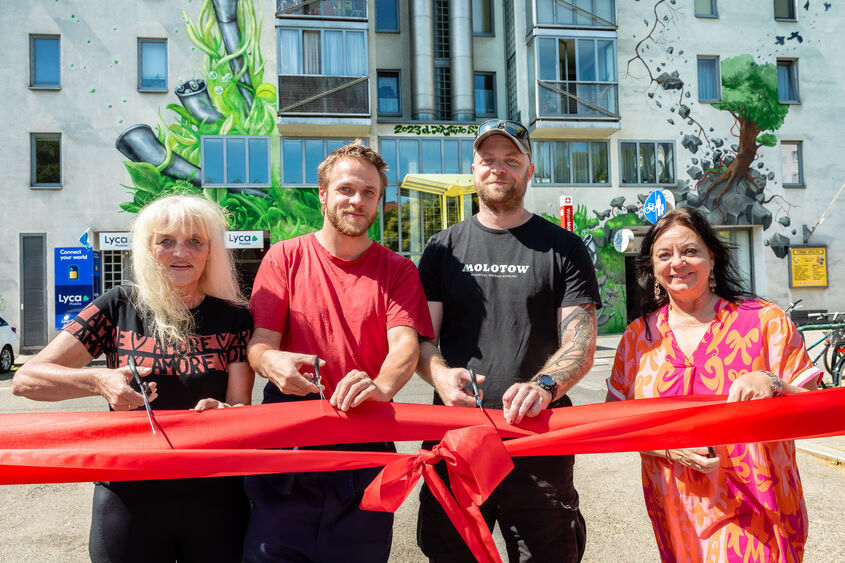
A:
(513, 297)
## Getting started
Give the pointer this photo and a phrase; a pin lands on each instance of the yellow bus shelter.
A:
(450, 189)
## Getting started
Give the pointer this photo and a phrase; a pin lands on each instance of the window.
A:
(575, 77)
(389, 102)
(788, 81)
(327, 52)
(44, 62)
(647, 163)
(706, 9)
(485, 94)
(235, 160)
(571, 162)
(46, 159)
(112, 264)
(596, 13)
(785, 10)
(709, 82)
(482, 17)
(792, 164)
(301, 157)
(330, 8)
(152, 65)
(387, 15)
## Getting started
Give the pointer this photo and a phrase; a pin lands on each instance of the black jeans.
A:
(536, 507)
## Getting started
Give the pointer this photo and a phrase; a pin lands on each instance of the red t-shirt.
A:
(338, 309)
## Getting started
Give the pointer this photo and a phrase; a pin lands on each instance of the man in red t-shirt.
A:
(360, 307)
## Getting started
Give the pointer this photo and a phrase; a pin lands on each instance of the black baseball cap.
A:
(513, 130)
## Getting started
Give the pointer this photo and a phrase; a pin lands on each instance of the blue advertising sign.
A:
(654, 207)
(77, 281)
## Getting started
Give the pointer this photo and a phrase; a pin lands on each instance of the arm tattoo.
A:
(574, 358)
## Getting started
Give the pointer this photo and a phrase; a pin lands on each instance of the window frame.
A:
(279, 13)
(639, 183)
(33, 137)
(792, 65)
(713, 14)
(225, 183)
(398, 74)
(493, 90)
(533, 11)
(300, 29)
(33, 62)
(537, 150)
(800, 151)
(492, 32)
(792, 18)
(699, 59)
(303, 159)
(151, 40)
(379, 27)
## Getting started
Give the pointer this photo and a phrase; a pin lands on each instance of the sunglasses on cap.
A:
(516, 131)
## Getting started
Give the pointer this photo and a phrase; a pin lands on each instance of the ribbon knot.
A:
(476, 460)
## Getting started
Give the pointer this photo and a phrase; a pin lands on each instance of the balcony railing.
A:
(322, 8)
(324, 95)
(578, 100)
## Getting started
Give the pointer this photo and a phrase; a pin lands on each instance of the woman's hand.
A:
(750, 386)
(206, 404)
(694, 458)
(113, 385)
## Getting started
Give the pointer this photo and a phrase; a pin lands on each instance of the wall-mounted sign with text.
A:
(116, 240)
(244, 239)
(808, 266)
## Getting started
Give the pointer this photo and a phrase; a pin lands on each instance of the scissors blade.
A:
(143, 391)
(475, 392)
(318, 381)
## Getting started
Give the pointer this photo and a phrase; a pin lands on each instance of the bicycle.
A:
(833, 351)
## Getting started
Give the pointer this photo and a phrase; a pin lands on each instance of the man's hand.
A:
(454, 385)
(524, 399)
(282, 368)
(113, 385)
(355, 388)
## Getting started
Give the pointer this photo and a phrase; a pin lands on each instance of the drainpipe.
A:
(460, 59)
(422, 53)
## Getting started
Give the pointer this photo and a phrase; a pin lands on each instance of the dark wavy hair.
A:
(728, 279)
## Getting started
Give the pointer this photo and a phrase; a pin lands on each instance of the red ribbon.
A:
(114, 446)
(471, 481)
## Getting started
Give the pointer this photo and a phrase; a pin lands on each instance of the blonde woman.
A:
(184, 324)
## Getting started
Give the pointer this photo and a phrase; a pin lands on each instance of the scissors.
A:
(475, 392)
(318, 381)
(143, 389)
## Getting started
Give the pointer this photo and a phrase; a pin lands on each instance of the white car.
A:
(8, 345)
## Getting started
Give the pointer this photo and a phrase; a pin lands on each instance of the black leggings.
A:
(161, 522)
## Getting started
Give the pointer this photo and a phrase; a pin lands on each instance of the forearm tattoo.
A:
(574, 358)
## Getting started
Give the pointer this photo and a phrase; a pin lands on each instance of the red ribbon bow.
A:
(477, 462)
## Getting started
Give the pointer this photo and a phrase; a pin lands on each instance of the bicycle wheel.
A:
(831, 356)
(837, 371)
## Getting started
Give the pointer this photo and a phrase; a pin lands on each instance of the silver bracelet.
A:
(777, 384)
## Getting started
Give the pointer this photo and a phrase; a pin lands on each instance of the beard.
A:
(344, 225)
(500, 199)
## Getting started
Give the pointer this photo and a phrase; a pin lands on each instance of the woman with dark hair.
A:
(701, 334)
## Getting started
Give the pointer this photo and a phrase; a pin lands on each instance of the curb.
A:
(820, 451)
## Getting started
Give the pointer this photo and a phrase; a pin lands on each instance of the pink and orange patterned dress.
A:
(752, 507)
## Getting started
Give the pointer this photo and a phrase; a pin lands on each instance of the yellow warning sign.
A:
(808, 266)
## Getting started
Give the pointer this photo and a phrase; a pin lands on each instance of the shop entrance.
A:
(247, 261)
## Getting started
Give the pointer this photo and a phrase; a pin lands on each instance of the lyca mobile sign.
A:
(115, 241)
(244, 239)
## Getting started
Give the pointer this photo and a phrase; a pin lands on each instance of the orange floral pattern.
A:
(752, 508)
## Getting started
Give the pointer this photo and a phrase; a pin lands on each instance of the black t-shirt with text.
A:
(500, 291)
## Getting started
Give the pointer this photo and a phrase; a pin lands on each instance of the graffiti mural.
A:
(227, 97)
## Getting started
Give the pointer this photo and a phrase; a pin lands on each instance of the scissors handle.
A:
(318, 380)
(475, 392)
(143, 390)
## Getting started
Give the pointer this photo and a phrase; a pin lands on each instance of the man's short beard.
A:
(511, 202)
(335, 217)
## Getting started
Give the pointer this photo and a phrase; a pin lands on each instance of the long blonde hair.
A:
(156, 300)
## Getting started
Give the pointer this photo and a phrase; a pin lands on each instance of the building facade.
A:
(723, 106)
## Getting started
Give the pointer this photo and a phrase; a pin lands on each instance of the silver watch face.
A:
(546, 382)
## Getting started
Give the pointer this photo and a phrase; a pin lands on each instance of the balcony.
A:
(322, 8)
(566, 99)
(318, 96)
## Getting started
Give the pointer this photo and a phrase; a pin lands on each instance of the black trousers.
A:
(315, 517)
(536, 507)
(184, 520)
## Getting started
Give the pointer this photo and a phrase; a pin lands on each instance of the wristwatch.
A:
(547, 383)
(777, 384)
